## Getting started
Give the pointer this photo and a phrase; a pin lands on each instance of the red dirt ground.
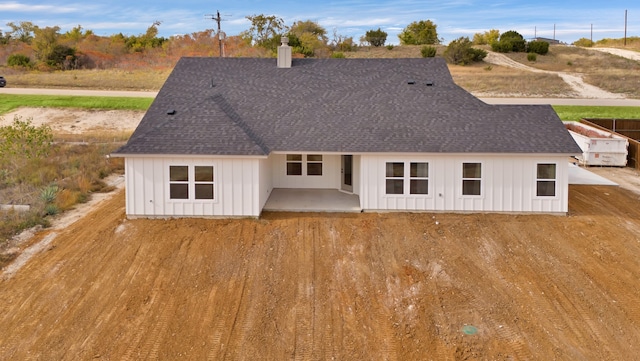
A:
(394, 286)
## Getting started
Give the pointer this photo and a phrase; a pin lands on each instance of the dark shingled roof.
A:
(247, 106)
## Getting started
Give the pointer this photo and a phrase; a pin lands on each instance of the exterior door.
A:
(346, 173)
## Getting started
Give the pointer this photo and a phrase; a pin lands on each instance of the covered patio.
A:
(312, 200)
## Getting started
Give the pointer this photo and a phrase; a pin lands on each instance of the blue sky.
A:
(454, 18)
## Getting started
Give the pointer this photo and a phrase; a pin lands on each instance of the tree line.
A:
(30, 46)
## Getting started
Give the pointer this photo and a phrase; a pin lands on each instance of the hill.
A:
(612, 73)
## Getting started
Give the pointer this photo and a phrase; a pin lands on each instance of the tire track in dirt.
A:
(304, 310)
(385, 317)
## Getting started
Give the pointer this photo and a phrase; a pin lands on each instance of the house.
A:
(398, 134)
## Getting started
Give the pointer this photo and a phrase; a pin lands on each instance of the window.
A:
(204, 182)
(546, 180)
(183, 183)
(179, 182)
(395, 178)
(294, 164)
(419, 178)
(314, 164)
(471, 179)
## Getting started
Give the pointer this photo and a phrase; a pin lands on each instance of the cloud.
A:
(28, 8)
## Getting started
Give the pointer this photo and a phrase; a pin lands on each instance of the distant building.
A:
(547, 40)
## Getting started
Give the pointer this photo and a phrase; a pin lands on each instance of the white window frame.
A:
(479, 179)
(406, 179)
(304, 164)
(419, 178)
(191, 183)
(554, 180)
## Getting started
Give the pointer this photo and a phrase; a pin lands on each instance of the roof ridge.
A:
(237, 119)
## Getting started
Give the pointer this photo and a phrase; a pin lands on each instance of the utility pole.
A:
(625, 28)
(591, 34)
(218, 19)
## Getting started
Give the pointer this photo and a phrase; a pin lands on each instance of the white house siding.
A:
(330, 178)
(266, 181)
(237, 189)
(508, 184)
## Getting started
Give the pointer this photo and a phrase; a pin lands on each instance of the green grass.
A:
(575, 112)
(9, 102)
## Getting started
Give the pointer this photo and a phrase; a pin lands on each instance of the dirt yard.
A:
(297, 286)
(393, 286)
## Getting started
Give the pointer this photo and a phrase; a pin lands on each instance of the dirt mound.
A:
(393, 286)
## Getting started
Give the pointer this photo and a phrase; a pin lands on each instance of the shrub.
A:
(584, 42)
(390, 47)
(538, 47)
(532, 56)
(49, 193)
(501, 46)
(510, 41)
(18, 60)
(338, 55)
(428, 51)
(460, 52)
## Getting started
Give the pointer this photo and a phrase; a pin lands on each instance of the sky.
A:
(572, 19)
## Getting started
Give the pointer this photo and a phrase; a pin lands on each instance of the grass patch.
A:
(111, 79)
(9, 102)
(577, 112)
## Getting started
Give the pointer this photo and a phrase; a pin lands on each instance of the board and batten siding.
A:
(237, 188)
(508, 184)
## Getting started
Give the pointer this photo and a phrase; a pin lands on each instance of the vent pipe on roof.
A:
(284, 54)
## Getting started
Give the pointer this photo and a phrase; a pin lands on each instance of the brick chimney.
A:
(284, 54)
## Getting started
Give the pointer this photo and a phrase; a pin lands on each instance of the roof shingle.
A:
(248, 106)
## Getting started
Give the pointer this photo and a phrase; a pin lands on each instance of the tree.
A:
(488, 37)
(510, 41)
(308, 38)
(376, 37)
(148, 40)
(460, 52)
(265, 31)
(420, 33)
(24, 31)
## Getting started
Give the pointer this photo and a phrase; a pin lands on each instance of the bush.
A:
(390, 47)
(19, 60)
(338, 55)
(532, 56)
(510, 41)
(584, 42)
(501, 46)
(428, 51)
(538, 47)
(460, 52)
